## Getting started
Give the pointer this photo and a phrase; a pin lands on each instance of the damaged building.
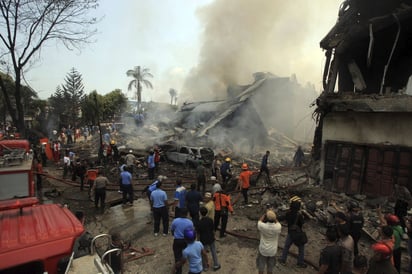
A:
(362, 138)
(269, 106)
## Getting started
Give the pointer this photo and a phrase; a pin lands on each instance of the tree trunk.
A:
(139, 96)
(19, 106)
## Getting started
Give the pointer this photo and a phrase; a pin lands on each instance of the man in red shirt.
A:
(244, 181)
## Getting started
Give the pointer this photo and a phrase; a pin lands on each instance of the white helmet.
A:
(161, 177)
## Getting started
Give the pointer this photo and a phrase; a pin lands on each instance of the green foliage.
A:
(139, 77)
(96, 107)
(66, 101)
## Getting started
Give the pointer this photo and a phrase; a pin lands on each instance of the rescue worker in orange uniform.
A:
(244, 181)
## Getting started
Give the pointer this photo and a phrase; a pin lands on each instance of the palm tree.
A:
(173, 94)
(139, 76)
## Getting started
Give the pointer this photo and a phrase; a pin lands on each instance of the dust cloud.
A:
(242, 37)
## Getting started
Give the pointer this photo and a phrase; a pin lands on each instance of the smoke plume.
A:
(243, 36)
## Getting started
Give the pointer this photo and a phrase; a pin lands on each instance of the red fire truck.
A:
(34, 237)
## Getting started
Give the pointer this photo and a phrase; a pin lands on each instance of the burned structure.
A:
(362, 138)
(251, 113)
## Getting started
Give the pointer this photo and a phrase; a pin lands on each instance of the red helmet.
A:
(392, 219)
(382, 249)
(245, 166)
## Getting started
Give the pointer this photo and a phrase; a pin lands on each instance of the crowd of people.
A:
(201, 215)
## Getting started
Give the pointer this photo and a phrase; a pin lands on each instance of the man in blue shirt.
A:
(194, 253)
(160, 205)
(126, 186)
(178, 227)
(151, 165)
(180, 197)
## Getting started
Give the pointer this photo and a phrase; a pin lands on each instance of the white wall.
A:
(369, 128)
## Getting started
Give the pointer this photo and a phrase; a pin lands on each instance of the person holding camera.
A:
(269, 229)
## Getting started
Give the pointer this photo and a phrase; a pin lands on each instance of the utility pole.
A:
(100, 155)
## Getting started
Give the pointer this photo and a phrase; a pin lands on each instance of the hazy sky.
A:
(181, 39)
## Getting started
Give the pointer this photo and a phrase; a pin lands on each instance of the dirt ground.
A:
(236, 252)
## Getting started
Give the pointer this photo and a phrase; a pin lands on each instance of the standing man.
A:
(126, 186)
(151, 166)
(179, 225)
(130, 159)
(160, 211)
(91, 176)
(244, 181)
(180, 197)
(298, 157)
(209, 205)
(66, 164)
(293, 217)
(81, 172)
(222, 208)
(193, 199)
(207, 236)
(269, 229)
(99, 188)
(381, 260)
(39, 172)
(331, 256)
(215, 166)
(201, 177)
(226, 171)
(264, 166)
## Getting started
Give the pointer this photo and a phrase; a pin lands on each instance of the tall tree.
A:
(139, 77)
(173, 94)
(66, 101)
(73, 90)
(26, 26)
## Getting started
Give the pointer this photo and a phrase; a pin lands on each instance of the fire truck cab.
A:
(34, 238)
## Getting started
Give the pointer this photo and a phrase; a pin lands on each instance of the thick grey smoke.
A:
(244, 36)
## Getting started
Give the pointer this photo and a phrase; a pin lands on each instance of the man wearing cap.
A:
(216, 186)
(226, 171)
(293, 217)
(269, 229)
(244, 181)
(380, 261)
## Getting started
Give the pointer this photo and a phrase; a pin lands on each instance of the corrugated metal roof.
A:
(36, 232)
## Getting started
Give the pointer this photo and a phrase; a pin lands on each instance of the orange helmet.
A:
(392, 219)
(245, 166)
(382, 249)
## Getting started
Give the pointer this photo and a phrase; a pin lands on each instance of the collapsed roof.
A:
(369, 48)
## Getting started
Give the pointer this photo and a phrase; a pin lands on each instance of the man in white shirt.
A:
(269, 229)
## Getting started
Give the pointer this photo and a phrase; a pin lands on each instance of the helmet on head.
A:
(295, 198)
(189, 234)
(392, 219)
(245, 166)
(352, 205)
(130, 151)
(227, 159)
(161, 177)
(112, 142)
(382, 249)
